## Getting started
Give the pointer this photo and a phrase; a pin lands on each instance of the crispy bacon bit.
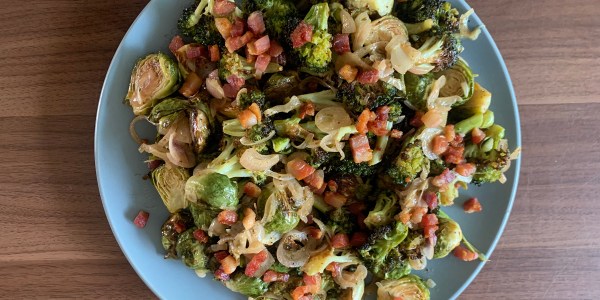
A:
(361, 152)
(299, 169)
(262, 61)
(236, 81)
(466, 169)
(272, 276)
(429, 231)
(302, 34)
(341, 43)
(431, 199)
(262, 45)
(176, 43)
(141, 219)
(403, 216)
(417, 213)
(334, 268)
(223, 7)
(368, 76)
(363, 120)
(195, 51)
(233, 43)
(201, 236)
(454, 154)
(314, 280)
(477, 135)
(256, 23)
(227, 217)
(247, 37)
(224, 27)
(229, 264)
(252, 189)
(230, 91)
(237, 28)
(443, 179)
(221, 255)
(153, 164)
(249, 218)
(340, 240)
(255, 263)
(463, 254)
(316, 179)
(396, 134)
(255, 109)
(358, 239)
(215, 54)
(379, 125)
(221, 275)
(332, 185)
(179, 227)
(472, 205)
(334, 199)
(348, 73)
(439, 144)
(432, 118)
(449, 132)
(307, 109)
(429, 220)
(275, 49)
(416, 120)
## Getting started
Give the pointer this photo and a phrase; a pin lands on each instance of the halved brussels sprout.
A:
(169, 181)
(449, 236)
(167, 112)
(201, 124)
(154, 77)
(214, 189)
(409, 287)
(460, 81)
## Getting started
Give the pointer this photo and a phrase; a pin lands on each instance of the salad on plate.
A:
(306, 149)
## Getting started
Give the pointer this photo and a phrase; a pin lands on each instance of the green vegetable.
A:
(249, 286)
(394, 266)
(281, 144)
(278, 15)
(234, 64)
(202, 214)
(196, 22)
(460, 81)
(465, 126)
(281, 85)
(380, 7)
(341, 221)
(449, 236)
(381, 241)
(386, 206)
(409, 287)
(170, 182)
(492, 158)
(201, 123)
(166, 108)
(214, 189)
(282, 216)
(315, 56)
(417, 89)
(409, 163)
(154, 77)
(191, 252)
(357, 96)
(169, 231)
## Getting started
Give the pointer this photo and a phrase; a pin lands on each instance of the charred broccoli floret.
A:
(280, 16)
(315, 56)
(381, 242)
(357, 96)
(490, 157)
(386, 206)
(340, 220)
(415, 11)
(394, 266)
(194, 23)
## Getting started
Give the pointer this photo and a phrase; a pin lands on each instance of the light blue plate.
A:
(119, 168)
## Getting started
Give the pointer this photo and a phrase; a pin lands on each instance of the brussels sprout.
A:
(154, 77)
(284, 218)
(460, 81)
(479, 103)
(191, 251)
(417, 89)
(409, 287)
(249, 286)
(201, 123)
(169, 231)
(449, 236)
(169, 182)
(215, 189)
(281, 85)
(283, 221)
(167, 112)
(202, 214)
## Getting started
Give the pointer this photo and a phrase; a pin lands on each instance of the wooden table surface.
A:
(56, 241)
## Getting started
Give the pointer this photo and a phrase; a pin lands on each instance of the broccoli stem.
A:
(488, 119)
(380, 146)
(466, 125)
(320, 205)
(472, 248)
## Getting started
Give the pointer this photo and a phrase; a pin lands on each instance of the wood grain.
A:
(56, 242)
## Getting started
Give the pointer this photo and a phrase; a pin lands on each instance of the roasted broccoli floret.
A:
(386, 206)
(349, 167)
(395, 113)
(194, 23)
(319, 157)
(357, 96)
(415, 11)
(381, 242)
(314, 57)
(235, 64)
(252, 96)
(249, 286)
(441, 51)
(409, 163)
(340, 220)
(394, 266)
(260, 131)
(490, 157)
